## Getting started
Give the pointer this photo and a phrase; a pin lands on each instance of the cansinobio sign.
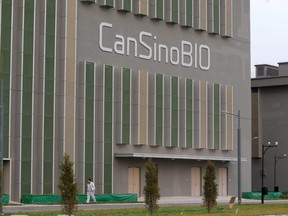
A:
(186, 54)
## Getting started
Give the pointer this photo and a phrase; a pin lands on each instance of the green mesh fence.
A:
(5, 198)
(257, 195)
(56, 199)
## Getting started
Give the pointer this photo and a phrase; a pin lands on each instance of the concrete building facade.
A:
(112, 83)
(269, 124)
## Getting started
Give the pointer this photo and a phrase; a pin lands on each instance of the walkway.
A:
(164, 201)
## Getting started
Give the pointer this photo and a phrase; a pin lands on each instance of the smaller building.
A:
(269, 124)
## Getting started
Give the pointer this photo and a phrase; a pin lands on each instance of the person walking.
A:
(90, 190)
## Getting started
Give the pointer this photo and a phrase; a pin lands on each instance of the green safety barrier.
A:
(115, 198)
(5, 198)
(257, 195)
(45, 198)
(56, 199)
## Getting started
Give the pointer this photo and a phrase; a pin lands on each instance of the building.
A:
(112, 83)
(269, 123)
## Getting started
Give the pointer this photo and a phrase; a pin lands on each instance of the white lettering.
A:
(165, 48)
(129, 40)
(148, 34)
(102, 25)
(206, 49)
(155, 49)
(176, 51)
(196, 55)
(146, 46)
(186, 55)
(119, 45)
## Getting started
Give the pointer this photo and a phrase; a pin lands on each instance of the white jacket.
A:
(90, 187)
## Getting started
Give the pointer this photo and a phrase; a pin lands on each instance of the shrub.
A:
(151, 189)
(68, 186)
(210, 187)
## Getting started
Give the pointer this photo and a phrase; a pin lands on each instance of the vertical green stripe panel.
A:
(89, 118)
(159, 9)
(126, 104)
(189, 112)
(110, 3)
(5, 68)
(108, 178)
(49, 96)
(108, 131)
(27, 96)
(159, 110)
(217, 112)
(174, 112)
(106, 3)
(175, 11)
(127, 5)
(189, 9)
(216, 9)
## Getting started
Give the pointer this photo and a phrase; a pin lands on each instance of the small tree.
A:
(210, 187)
(151, 189)
(68, 186)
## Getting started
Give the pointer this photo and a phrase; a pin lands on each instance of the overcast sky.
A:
(269, 32)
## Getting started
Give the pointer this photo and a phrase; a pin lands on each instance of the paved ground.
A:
(164, 201)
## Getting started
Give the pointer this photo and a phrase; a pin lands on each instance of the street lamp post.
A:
(276, 159)
(239, 158)
(238, 153)
(264, 149)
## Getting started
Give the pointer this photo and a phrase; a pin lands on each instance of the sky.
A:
(269, 32)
